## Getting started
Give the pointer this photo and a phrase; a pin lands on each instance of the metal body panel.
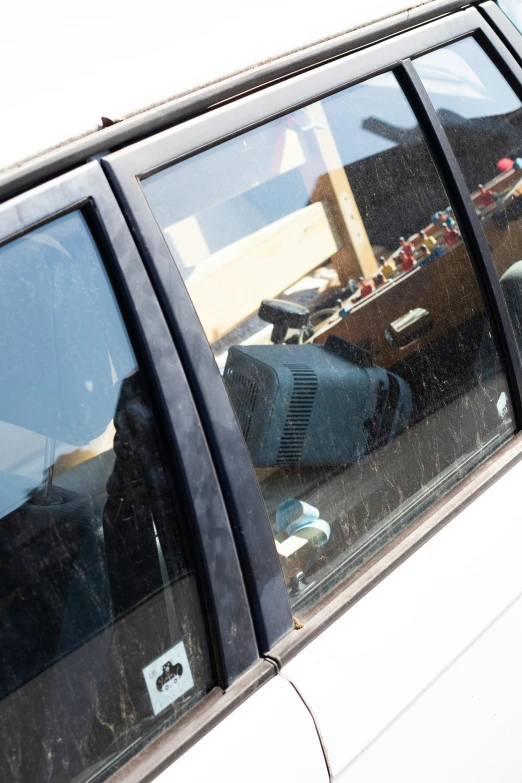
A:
(270, 737)
(87, 189)
(397, 652)
(466, 726)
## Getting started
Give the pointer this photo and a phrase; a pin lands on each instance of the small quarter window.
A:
(328, 271)
(513, 10)
(482, 117)
(102, 640)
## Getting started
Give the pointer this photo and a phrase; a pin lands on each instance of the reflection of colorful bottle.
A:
(424, 255)
(451, 235)
(423, 252)
(366, 288)
(450, 222)
(406, 246)
(389, 268)
(485, 196)
(431, 242)
(407, 260)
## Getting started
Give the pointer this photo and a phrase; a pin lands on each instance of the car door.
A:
(126, 629)
(332, 235)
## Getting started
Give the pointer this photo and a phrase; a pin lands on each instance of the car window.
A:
(102, 639)
(482, 117)
(328, 271)
(513, 10)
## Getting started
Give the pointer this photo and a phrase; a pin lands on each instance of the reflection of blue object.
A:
(267, 384)
(345, 311)
(317, 524)
(295, 515)
(518, 163)
(437, 252)
(293, 511)
(64, 350)
(450, 222)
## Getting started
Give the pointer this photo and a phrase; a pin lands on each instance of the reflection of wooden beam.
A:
(229, 285)
(326, 180)
(187, 243)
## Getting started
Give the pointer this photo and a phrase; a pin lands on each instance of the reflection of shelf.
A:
(228, 286)
(446, 288)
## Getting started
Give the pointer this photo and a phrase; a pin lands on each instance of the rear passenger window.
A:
(482, 118)
(329, 274)
(102, 640)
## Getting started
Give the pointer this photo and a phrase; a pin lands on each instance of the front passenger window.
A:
(328, 271)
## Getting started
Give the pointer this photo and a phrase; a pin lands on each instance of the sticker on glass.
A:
(168, 677)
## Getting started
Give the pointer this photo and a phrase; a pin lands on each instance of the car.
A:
(260, 409)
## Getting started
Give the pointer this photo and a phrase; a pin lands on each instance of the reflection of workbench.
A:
(445, 288)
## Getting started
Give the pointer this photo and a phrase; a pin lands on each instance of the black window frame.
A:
(128, 166)
(86, 189)
(503, 26)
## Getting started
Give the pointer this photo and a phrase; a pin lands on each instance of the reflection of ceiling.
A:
(489, 127)
(462, 78)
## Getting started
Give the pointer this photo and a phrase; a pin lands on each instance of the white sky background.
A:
(66, 63)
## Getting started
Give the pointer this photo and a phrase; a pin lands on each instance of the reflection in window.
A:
(513, 10)
(328, 271)
(97, 594)
(482, 117)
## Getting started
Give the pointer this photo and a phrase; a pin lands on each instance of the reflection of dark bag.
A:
(309, 405)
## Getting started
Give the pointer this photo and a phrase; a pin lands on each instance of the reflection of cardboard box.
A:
(294, 551)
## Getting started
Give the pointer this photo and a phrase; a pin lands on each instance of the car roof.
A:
(67, 68)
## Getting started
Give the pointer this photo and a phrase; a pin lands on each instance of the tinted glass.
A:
(513, 10)
(102, 641)
(482, 117)
(329, 274)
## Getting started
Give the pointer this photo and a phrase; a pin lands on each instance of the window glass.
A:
(513, 10)
(482, 117)
(329, 274)
(102, 641)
